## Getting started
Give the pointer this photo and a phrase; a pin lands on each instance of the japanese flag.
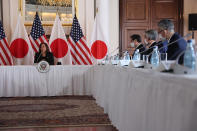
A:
(20, 46)
(59, 44)
(100, 35)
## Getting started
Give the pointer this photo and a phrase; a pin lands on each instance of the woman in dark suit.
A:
(44, 54)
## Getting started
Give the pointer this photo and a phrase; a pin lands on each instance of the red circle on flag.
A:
(99, 49)
(19, 48)
(59, 48)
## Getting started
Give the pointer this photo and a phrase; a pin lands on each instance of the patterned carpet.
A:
(51, 112)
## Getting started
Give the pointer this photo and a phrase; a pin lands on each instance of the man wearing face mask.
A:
(166, 30)
(136, 42)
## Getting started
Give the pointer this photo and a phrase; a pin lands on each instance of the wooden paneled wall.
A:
(137, 16)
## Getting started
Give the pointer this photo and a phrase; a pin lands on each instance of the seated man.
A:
(166, 29)
(136, 40)
(150, 40)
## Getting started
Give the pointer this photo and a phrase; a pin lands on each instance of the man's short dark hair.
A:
(136, 37)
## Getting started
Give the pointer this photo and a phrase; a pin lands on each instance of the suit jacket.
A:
(163, 46)
(49, 58)
(150, 49)
(141, 48)
(175, 49)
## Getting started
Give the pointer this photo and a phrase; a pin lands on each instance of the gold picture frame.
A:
(46, 23)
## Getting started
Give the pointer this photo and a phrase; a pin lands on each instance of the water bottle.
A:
(196, 59)
(189, 56)
(155, 57)
(126, 56)
(136, 55)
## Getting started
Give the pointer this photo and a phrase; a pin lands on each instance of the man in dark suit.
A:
(136, 40)
(150, 41)
(166, 30)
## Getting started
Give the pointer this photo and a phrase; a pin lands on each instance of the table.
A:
(144, 100)
(20, 81)
(135, 99)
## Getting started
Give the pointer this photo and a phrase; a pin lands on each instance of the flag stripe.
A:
(2, 60)
(6, 57)
(75, 59)
(34, 42)
(82, 40)
(38, 42)
(84, 49)
(78, 45)
(41, 40)
(81, 52)
(89, 56)
(8, 51)
(4, 51)
(33, 46)
(77, 52)
(44, 39)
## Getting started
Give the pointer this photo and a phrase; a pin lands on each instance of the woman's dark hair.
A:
(47, 47)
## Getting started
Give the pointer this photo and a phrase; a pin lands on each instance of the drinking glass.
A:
(164, 57)
(146, 58)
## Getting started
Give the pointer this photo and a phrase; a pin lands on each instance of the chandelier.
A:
(65, 3)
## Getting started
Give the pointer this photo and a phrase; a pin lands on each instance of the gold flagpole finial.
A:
(76, 7)
(20, 5)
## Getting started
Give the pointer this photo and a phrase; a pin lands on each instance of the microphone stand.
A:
(38, 57)
(171, 43)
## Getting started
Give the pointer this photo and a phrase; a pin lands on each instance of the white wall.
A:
(10, 15)
(114, 26)
(86, 17)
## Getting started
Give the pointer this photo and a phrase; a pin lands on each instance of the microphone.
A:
(113, 51)
(149, 48)
(188, 35)
(38, 57)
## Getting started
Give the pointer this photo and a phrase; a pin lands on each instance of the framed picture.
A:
(47, 10)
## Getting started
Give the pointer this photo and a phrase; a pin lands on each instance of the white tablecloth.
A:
(143, 100)
(27, 81)
(135, 99)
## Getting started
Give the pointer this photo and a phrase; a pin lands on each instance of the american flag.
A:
(79, 50)
(5, 54)
(37, 34)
